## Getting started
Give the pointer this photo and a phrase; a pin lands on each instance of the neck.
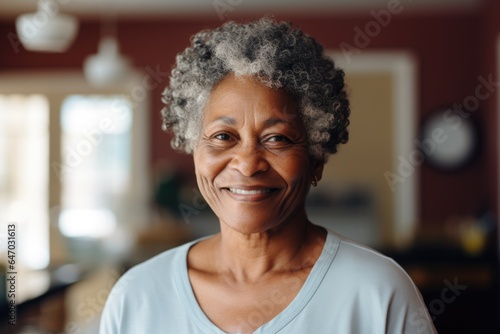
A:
(284, 249)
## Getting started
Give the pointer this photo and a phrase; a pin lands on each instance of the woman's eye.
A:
(222, 136)
(278, 139)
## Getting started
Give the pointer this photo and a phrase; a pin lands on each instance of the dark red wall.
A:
(491, 33)
(449, 48)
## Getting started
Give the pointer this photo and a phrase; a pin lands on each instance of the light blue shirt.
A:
(351, 289)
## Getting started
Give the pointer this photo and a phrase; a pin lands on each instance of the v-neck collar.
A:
(305, 294)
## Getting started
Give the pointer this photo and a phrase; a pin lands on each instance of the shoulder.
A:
(160, 265)
(147, 279)
(144, 278)
(357, 258)
(374, 287)
(370, 275)
(144, 290)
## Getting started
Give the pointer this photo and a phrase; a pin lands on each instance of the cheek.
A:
(208, 165)
(295, 168)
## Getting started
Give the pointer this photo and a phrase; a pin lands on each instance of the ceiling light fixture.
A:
(46, 30)
(108, 66)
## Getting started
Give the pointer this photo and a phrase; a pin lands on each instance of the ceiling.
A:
(9, 9)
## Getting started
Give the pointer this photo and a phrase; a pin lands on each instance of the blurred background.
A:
(89, 185)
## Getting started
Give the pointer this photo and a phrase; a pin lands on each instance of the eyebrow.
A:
(225, 119)
(268, 122)
(274, 121)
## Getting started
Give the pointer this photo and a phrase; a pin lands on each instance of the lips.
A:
(249, 191)
(250, 194)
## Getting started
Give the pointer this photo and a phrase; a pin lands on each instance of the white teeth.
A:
(249, 192)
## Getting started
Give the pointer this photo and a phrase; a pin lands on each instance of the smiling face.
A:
(252, 161)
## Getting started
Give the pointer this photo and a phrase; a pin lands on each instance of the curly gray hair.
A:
(280, 57)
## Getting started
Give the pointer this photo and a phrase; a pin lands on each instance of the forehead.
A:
(235, 97)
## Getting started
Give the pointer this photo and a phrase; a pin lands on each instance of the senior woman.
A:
(260, 108)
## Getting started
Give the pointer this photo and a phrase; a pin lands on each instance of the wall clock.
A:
(449, 139)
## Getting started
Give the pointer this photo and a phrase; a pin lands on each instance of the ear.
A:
(317, 169)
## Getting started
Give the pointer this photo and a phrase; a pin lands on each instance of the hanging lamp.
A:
(46, 30)
(108, 66)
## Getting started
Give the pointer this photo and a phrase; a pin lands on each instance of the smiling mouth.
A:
(249, 192)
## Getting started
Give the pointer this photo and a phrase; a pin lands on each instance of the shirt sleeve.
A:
(110, 318)
(114, 308)
(377, 295)
(407, 312)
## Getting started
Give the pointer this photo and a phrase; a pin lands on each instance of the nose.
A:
(249, 160)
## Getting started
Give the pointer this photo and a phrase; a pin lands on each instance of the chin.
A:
(251, 225)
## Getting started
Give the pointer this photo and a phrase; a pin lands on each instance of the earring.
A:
(314, 181)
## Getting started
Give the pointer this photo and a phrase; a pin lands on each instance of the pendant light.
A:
(108, 66)
(46, 30)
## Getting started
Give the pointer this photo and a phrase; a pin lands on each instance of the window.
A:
(24, 140)
(73, 166)
(96, 169)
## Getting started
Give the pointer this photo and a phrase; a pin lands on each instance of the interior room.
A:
(90, 185)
